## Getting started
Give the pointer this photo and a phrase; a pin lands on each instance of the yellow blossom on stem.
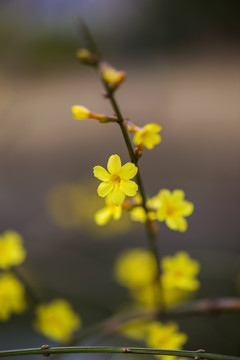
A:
(116, 181)
(81, 112)
(111, 76)
(148, 135)
(173, 208)
(56, 320)
(12, 296)
(103, 215)
(180, 271)
(12, 251)
(135, 268)
(165, 336)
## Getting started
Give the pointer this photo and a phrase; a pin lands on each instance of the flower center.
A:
(116, 179)
(170, 209)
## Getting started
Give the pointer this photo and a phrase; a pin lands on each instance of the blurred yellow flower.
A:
(180, 271)
(111, 76)
(116, 182)
(135, 268)
(103, 215)
(148, 135)
(12, 296)
(12, 251)
(165, 336)
(56, 320)
(173, 208)
(80, 112)
(135, 329)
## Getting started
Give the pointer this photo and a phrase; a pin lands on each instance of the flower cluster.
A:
(55, 320)
(136, 270)
(12, 292)
(166, 206)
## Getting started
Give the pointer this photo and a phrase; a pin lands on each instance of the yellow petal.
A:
(104, 188)
(176, 223)
(153, 127)
(165, 193)
(117, 212)
(100, 173)
(129, 187)
(128, 171)
(138, 214)
(151, 141)
(117, 196)
(178, 194)
(102, 216)
(187, 209)
(80, 112)
(114, 164)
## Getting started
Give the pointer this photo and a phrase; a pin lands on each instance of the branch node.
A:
(127, 350)
(201, 351)
(45, 347)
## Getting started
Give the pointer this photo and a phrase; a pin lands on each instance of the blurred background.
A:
(182, 61)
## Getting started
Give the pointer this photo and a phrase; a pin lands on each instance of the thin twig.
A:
(46, 351)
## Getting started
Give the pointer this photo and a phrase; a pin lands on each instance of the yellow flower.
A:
(135, 268)
(12, 251)
(165, 336)
(56, 320)
(12, 296)
(116, 182)
(112, 76)
(148, 135)
(179, 271)
(80, 112)
(103, 215)
(173, 208)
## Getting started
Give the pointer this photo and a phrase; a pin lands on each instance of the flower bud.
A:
(112, 76)
(87, 57)
(80, 112)
(138, 151)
